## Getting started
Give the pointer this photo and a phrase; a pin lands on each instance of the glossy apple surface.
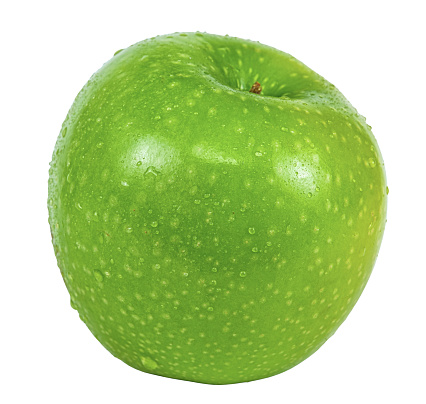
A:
(206, 232)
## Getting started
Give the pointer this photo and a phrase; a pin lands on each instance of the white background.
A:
(373, 51)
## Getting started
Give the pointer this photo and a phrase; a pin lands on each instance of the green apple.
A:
(216, 207)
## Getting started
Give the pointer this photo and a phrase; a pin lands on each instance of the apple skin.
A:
(205, 232)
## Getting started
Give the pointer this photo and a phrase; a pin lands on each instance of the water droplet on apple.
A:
(124, 184)
(129, 229)
(73, 304)
(251, 230)
(149, 363)
(78, 206)
(243, 274)
(309, 194)
(151, 171)
(139, 163)
(99, 145)
(372, 162)
(255, 249)
(258, 154)
(197, 201)
(83, 318)
(98, 276)
(154, 224)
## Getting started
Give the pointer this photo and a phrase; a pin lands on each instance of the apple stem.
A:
(256, 88)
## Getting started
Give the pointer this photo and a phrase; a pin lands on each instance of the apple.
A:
(216, 207)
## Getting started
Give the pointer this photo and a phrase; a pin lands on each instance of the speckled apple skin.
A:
(204, 232)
